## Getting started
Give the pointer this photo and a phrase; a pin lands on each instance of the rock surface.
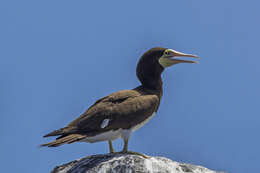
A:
(118, 163)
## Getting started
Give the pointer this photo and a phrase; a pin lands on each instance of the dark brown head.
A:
(154, 61)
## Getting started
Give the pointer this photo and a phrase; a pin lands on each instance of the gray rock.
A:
(118, 163)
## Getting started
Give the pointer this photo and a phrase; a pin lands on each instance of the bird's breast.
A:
(141, 124)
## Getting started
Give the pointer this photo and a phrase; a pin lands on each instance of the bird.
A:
(121, 113)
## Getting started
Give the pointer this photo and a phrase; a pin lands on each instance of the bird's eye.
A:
(166, 53)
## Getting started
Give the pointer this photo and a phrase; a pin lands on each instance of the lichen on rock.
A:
(128, 163)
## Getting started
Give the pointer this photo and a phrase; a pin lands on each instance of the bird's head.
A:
(154, 61)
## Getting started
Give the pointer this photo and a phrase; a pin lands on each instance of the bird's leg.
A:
(125, 135)
(111, 149)
(125, 150)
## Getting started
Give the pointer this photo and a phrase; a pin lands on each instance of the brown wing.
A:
(93, 111)
(123, 109)
(105, 103)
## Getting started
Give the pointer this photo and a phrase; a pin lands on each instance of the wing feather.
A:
(123, 109)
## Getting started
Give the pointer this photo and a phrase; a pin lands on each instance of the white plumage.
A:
(104, 123)
(114, 134)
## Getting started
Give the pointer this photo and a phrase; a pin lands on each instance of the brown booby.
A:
(123, 112)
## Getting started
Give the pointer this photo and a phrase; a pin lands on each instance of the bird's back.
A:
(124, 109)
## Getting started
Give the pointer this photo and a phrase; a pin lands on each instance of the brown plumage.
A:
(68, 139)
(120, 113)
(135, 105)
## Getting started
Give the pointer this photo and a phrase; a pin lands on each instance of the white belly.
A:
(114, 134)
(110, 135)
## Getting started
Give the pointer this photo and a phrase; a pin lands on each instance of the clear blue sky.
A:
(58, 57)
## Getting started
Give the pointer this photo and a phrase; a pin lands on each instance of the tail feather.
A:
(62, 131)
(64, 140)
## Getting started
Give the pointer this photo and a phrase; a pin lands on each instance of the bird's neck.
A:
(153, 83)
(149, 74)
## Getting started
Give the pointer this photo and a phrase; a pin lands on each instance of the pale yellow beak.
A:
(173, 54)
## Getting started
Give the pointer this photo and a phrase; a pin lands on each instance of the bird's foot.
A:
(137, 153)
(133, 153)
(112, 152)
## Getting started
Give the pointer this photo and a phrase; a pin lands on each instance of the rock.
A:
(126, 163)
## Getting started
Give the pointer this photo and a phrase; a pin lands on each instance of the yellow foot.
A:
(133, 153)
(139, 154)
